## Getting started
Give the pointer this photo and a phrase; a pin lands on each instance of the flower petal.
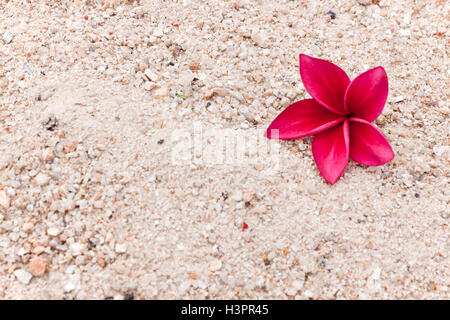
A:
(368, 145)
(301, 119)
(367, 94)
(331, 150)
(325, 82)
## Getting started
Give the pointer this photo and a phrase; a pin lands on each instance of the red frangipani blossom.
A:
(339, 115)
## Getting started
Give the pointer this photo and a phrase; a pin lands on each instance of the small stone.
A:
(121, 248)
(38, 250)
(99, 204)
(161, 93)
(433, 164)
(249, 116)
(48, 154)
(397, 99)
(431, 286)
(149, 85)
(53, 232)
(237, 196)
(80, 260)
(142, 66)
(76, 248)
(407, 180)
(296, 286)
(260, 39)
(101, 261)
(331, 14)
(4, 200)
(208, 94)
(151, 75)
(41, 179)
(376, 274)
(110, 12)
(22, 252)
(27, 227)
(186, 80)
(194, 66)
(23, 276)
(50, 122)
(70, 147)
(227, 115)
(60, 133)
(37, 266)
(8, 36)
(69, 287)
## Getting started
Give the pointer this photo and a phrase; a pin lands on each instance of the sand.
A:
(106, 193)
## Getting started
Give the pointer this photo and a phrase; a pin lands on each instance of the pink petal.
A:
(301, 119)
(367, 94)
(325, 82)
(331, 150)
(368, 145)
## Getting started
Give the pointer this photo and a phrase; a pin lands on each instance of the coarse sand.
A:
(98, 200)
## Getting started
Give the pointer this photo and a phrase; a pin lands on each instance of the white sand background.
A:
(92, 205)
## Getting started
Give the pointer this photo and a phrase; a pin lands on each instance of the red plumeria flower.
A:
(339, 115)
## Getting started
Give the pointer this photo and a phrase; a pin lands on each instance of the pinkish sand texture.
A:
(92, 207)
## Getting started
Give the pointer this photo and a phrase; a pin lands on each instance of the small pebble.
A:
(42, 179)
(4, 200)
(53, 232)
(28, 227)
(23, 276)
(48, 154)
(151, 75)
(69, 287)
(37, 266)
(121, 248)
(8, 36)
(77, 248)
(260, 39)
(161, 93)
(194, 66)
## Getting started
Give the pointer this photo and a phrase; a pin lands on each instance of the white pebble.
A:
(76, 248)
(8, 36)
(121, 248)
(151, 75)
(260, 38)
(4, 200)
(41, 179)
(23, 276)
